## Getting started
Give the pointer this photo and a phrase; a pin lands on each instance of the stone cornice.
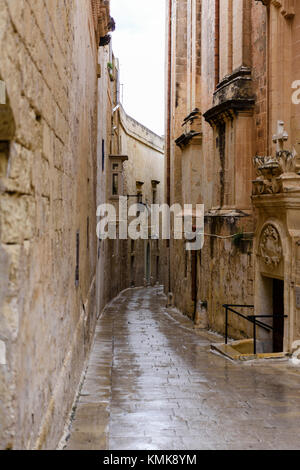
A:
(285, 200)
(191, 137)
(124, 158)
(233, 94)
(287, 7)
(240, 73)
(236, 86)
(227, 110)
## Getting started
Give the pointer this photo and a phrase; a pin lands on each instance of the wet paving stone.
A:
(152, 383)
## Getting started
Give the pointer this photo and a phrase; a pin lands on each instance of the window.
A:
(139, 191)
(154, 196)
(116, 174)
(154, 191)
(115, 184)
(77, 261)
(103, 154)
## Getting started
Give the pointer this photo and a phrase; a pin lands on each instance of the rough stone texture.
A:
(152, 383)
(47, 192)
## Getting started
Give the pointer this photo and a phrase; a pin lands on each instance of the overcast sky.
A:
(139, 44)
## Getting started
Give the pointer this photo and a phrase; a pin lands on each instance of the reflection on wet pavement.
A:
(152, 383)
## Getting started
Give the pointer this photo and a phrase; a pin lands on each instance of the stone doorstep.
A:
(230, 351)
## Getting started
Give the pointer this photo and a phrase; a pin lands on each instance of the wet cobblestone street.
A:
(152, 383)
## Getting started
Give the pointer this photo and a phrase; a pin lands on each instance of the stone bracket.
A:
(186, 138)
(227, 110)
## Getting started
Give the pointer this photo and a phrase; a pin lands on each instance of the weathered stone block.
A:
(17, 216)
(12, 256)
(18, 177)
(2, 353)
(9, 322)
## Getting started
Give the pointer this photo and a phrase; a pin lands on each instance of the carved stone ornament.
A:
(270, 246)
(269, 170)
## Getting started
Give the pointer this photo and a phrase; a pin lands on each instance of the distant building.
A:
(130, 164)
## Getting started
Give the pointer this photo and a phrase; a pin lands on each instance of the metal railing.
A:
(250, 318)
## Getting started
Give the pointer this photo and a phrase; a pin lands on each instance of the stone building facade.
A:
(144, 184)
(48, 243)
(232, 72)
(130, 165)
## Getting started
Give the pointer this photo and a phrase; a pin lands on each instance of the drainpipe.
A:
(168, 130)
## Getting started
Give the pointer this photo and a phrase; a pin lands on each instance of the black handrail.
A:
(250, 318)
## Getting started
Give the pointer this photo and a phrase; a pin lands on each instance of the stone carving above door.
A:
(272, 172)
(270, 247)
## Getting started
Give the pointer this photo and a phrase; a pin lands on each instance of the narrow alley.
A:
(147, 144)
(152, 383)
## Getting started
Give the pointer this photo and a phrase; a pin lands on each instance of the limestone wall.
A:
(47, 196)
(106, 103)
